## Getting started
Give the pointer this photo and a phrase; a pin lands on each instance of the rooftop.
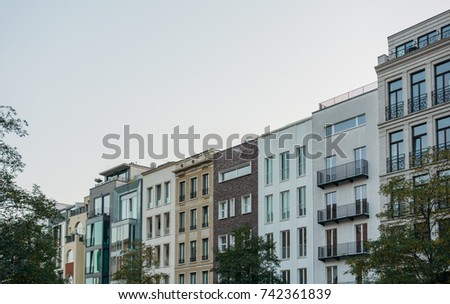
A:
(349, 95)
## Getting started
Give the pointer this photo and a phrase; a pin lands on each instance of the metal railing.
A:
(417, 103)
(193, 194)
(343, 172)
(351, 94)
(417, 158)
(335, 213)
(440, 96)
(394, 111)
(205, 191)
(341, 250)
(395, 163)
(181, 198)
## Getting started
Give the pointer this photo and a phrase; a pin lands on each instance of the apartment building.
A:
(285, 189)
(345, 182)
(115, 203)
(158, 221)
(194, 223)
(235, 193)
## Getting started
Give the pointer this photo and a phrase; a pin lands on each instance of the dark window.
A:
(182, 191)
(428, 39)
(418, 100)
(443, 133)
(397, 157)
(442, 92)
(419, 144)
(405, 48)
(395, 106)
(445, 31)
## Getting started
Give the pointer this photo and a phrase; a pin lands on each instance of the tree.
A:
(251, 260)
(28, 249)
(138, 266)
(414, 242)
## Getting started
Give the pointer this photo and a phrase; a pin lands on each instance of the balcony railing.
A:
(395, 163)
(341, 173)
(342, 250)
(417, 103)
(417, 158)
(440, 96)
(394, 111)
(345, 212)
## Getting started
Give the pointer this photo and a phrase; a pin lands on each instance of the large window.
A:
(158, 195)
(166, 223)
(285, 207)
(331, 238)
(360, 199)
(445, 32)
(149, 223)
(418, 100)
(150, 198)
(301, 241)
(285, 244)
(428, 39)
(181, 278)
(181, 253)
(286, 276)
(268, 208)
(361, 237)
(360, 155)
(205, 216)
(397, 157)
(166, 192)
(301, 151)
(443, 133)
(332, 274)
(235, 172)
(419, 144)
(442, 81)
(193, 251)
(204, 277)
(193, 193)
(205, 248)
(395, 106)
(182, 191)
(101, 205)
(93, 261)
(404, 48)
(301, 201)
(268, 170)
(302, 277)
(345, 125)
(193, 277)
(94, 234)
(330, 201)
(205, 184)
(182, 221)
(193, 219)
(284, 165)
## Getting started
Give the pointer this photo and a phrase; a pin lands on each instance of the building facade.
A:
(194, 224)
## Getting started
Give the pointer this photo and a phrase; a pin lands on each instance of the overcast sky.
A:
(79, 70)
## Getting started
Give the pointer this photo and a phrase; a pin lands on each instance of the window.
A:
(181, 253)
(205, 248)
(445, 31)
(285, 244)
(69, 257)
(361, 199)
(98, 208)
(166, 249)
(157, 256)
(395, 106)
(193, 277)
(286, 276)
(418, 100)
(182, 221)
(128, 206)
(428, 39)
(158, 225)
(223, 243)
(301, 274)
(205, 216)
(404, 48)
(269, 239)
(442, 82)
(106, 204)
(223, 210)
(361, 237)
(330, 168)
(330, 201)
(397, 160)
(332, 275)
(284, 165)
(301, 201)
(181, 278)
(268, 170)
(232, 207)
(235, 173)
(345, 125)
(193, 251)
(443, 133)
(94, 234)
(79, 228)
(360, 156)
(167, 193)
(285, 208)
(166, 223)
(204, 277)
(193, 193)
(301, 241)
(205, 184)
(331, 237)
(158, 195)
(193, 219)
(419, 144)
(182, 191)
(268, 209)
(301, 152)
(246, 204)
(444, 179)
(149, 227)
(150, 198)
(93, 261)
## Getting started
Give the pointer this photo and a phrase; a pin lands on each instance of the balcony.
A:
(440, 96)
(417, 103)
(342, 173)
(417, 158)
(337, 214)
(395, 163)
(343, 250)
(394, 111)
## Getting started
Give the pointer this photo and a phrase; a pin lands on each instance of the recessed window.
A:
(428, 39)
(285, 207)
(285, 244)
(235, 172)
(345, 125)
(246, 204)
(268, 206)
(445, 31)
(223, 210)
(284, 165)
(404, 48)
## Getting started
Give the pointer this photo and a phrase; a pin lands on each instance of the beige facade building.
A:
(194, 220)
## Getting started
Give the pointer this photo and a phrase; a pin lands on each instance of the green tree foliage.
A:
(28, 249)
(138, 266)
(414, 242)
(251, 260)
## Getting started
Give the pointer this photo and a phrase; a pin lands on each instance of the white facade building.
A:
(158, 216)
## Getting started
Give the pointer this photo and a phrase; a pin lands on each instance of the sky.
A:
(80, 70)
